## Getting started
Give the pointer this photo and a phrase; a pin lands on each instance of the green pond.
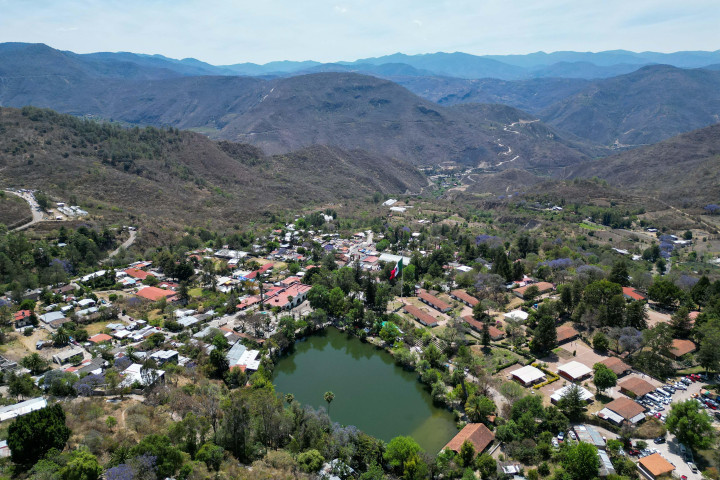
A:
(371, 392)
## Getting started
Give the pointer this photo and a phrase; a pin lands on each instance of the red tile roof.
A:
(22, 314)
(681, 347)
(135, 273)
(495, 333)
(465, 297)
(656, 465)
(636, 386)
(541, 286)
(616, 365)
(420, 316)
(433, 300)
(632, 293)
(476, 433)
(155, 294)
(565, 333)
(100, 337)
(625, 407)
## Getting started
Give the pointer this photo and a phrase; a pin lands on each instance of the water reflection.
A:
(371, 392)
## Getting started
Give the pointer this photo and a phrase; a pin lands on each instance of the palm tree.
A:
(61, 337)
(329, 397)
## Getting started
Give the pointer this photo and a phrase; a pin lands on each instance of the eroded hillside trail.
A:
(37, 214)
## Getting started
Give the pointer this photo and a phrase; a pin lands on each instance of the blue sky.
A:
(235, 31)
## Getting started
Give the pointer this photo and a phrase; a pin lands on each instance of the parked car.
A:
(572, 435)
(693, 468)
(555, 442)
(659, 440)
(561, 436)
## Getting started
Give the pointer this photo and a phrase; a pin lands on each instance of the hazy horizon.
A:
(223, 32)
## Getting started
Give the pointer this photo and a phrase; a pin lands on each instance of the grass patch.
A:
(195, 292)
(651, 428)
(687, 371)
(588, 226)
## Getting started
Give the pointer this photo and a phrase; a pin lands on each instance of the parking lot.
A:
(671, 449)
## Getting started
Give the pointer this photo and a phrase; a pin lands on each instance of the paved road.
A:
(37, 214)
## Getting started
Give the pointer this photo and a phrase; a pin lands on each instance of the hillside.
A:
(166, 178)
(682, 170)
(643, 107)
(344, 110)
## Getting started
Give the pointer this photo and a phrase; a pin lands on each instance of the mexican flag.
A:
(397, 270)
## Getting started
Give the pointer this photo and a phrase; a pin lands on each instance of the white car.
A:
(572, 435)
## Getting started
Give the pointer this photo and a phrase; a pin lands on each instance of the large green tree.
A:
(544, 335)
(581, 461)
(604, 378)
(31, 436)
(690, 426)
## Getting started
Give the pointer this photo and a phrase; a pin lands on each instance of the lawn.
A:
(496, 359)
(588, 226)
(195, 292)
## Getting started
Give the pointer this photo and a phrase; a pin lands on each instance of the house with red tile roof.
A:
(136, 273)
(655, 466)
(429, 299)
(422, 317)
(681, 347)
(565, 333)
(22, 318)
(154, 294)
(476, 433)
(543, 287)
(464, 297)
(632, 294)
(619, 367)
(495, 333)
(100, 337)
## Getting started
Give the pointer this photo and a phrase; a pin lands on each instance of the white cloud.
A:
(417, 22)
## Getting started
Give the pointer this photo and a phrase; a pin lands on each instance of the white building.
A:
(22, 408)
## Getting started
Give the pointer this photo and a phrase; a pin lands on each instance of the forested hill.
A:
(167, 177)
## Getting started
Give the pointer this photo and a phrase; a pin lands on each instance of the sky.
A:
(225, 32)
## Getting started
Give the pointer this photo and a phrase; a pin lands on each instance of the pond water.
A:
(371, 392)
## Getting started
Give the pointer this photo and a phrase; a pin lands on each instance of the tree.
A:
(168, 458)
(692, 427)
(581, 461)
(329, 397)
(600, 342)
(400, 452)
(709, 354)
(487, 465)
(544, 335)
(512, 391)
(572, 404)
(82, 465)
(664, 292)
(20, 385)
(478, 407)
(31, 436)
(466, 455)
(681, 323)
(603, 378)
(35, 363)
(310, 461)
(61, 337)
(619, 273)
(635, 315)
(212, 455)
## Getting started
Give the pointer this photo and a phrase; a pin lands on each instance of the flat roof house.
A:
(528, 375)
(22, 408)
(559, 394)
(574, 371)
